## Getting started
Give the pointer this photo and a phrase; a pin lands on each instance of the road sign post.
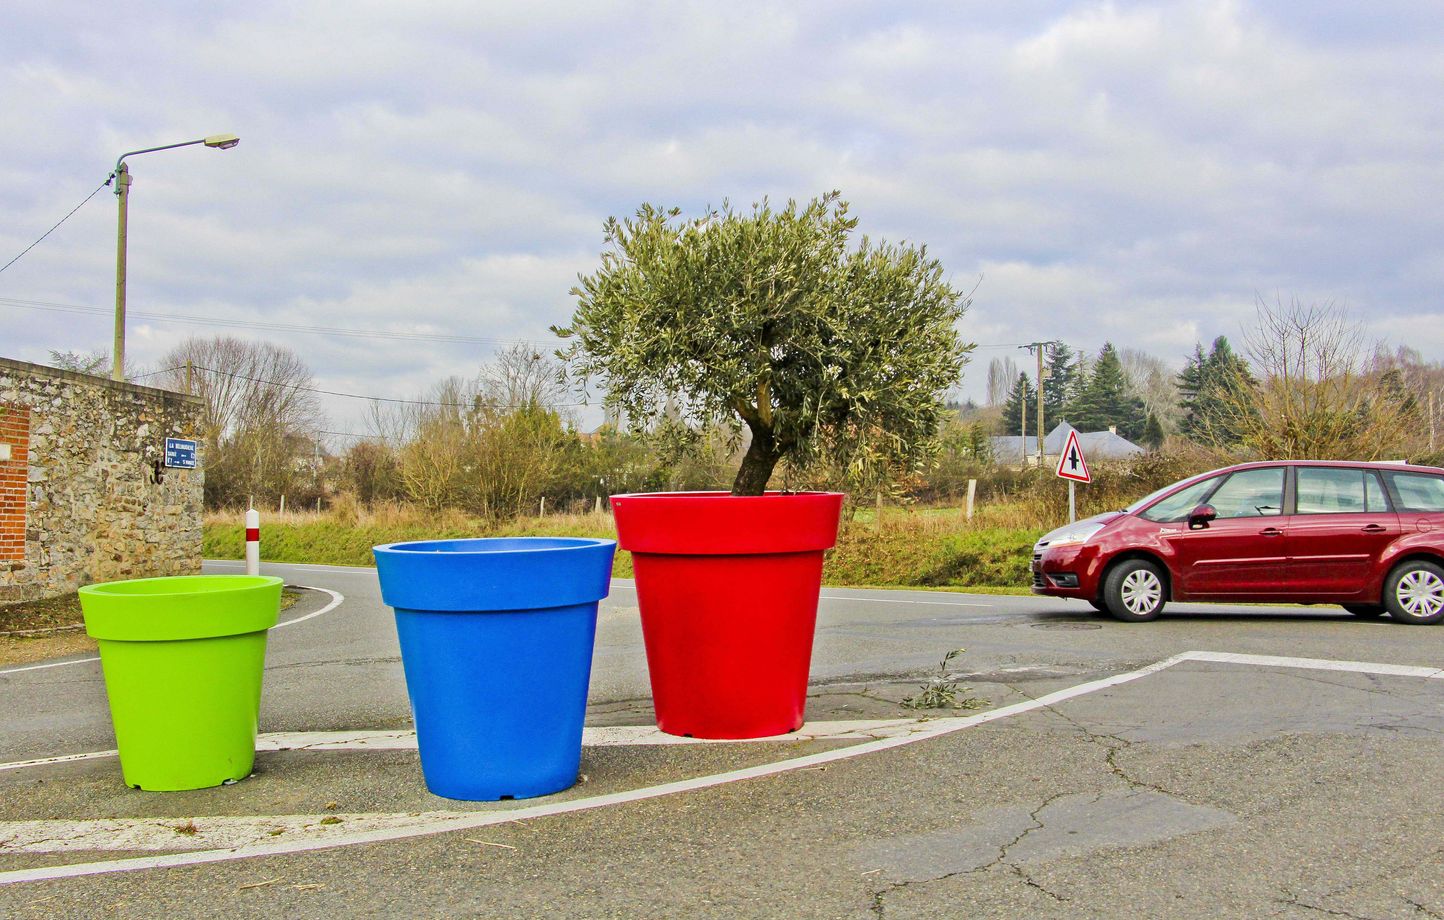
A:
(1074, 468)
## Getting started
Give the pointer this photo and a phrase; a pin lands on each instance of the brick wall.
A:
(80, 499)
(14, 436)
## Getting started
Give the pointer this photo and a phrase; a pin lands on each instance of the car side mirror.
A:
(1199, 517)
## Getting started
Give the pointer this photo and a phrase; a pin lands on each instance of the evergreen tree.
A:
(1020, 411)
(1107, 399)
(1153, 432)
(1060, 386)
(1213, 391)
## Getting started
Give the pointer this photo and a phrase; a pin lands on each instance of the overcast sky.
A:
(1133, 172)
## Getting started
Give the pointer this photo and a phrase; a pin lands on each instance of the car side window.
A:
(1336, 490)
(1418, 491)
(1374, 495)
(1251, 493)
(1176, 506)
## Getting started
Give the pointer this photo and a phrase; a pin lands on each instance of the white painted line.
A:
(53, 664)
(297, 566)
(336, 599)
(181, 834)
(51, 761)
(473, 820)
(592, 736)
(1319, 664)
(890, 600)
(454, 821)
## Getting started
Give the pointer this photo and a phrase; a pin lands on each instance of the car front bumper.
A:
(1070, 570)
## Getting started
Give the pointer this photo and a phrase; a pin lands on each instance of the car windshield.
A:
(1142, 502)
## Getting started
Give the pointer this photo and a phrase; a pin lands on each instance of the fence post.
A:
(253, 542)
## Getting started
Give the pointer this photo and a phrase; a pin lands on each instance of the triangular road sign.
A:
(1071, 464)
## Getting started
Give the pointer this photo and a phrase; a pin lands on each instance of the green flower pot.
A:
(183, 658)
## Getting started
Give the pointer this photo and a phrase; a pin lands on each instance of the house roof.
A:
(1096, 445)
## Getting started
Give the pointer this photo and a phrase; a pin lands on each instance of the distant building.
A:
(1097, 445)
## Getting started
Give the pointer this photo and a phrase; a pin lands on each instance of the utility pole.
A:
(1039, 349)
(117, 348)
(1023, 425)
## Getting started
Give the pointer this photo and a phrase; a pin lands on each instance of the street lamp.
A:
(122, 191)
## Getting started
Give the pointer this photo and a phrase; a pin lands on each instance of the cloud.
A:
(1136, 172)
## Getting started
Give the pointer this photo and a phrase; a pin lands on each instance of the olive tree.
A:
(771, 319)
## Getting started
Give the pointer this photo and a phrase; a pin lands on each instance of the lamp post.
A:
(122, 192)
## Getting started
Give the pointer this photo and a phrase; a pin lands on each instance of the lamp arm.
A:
(132, 153)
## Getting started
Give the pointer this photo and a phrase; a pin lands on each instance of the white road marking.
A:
(51, 761)
(890, 600)
(437, 823)
(1319, 664)
(182, 834)
(53, 664)
(336, 599)
(592, 736)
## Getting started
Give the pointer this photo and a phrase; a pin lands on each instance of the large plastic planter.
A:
(728, 587)
(496, 642)
(183, 658)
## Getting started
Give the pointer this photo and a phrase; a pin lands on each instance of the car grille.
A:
(1038, 571)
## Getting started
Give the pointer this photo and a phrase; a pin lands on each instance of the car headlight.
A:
(1080, 534)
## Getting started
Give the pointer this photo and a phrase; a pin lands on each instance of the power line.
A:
(387, 399)
(58, 223)
(271, 327)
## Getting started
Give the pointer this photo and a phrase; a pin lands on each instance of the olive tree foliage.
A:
(260, 416)
(826, 352)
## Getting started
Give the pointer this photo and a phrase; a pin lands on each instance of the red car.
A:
(1366, 536)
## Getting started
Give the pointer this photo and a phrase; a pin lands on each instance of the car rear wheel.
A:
(1134, 591)
(1364, 610)
(1414, 592)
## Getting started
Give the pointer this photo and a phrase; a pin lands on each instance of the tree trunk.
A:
(762, 455)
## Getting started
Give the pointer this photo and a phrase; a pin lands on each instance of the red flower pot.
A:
(727, 587)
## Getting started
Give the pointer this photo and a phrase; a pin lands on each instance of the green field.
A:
(908, 550)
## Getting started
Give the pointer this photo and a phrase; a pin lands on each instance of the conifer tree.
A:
(1061, 385)
(1209, 386)
(1153, 432)
(1019, 411)
(1107, 399)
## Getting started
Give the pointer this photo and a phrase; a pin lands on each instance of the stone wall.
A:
(83, 497)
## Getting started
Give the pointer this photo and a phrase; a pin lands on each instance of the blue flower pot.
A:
(496, 642)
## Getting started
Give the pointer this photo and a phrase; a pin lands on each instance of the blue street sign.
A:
(180, 453)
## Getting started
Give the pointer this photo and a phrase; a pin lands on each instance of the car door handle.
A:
(1271, 532)
(1375, 528)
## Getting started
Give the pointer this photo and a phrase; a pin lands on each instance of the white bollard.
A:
(253, 542)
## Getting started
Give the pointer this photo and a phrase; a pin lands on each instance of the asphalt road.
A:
(1253, 786)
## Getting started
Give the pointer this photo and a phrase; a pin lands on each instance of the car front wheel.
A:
(1414, 592)
(1134, 591)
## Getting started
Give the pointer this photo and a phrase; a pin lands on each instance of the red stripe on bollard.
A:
(253, 534)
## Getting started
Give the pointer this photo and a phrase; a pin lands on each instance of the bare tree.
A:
(260, 415)
(521, 376)
(1315, 398)
(492, 444)
(1155, 383)
(1002, 374)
